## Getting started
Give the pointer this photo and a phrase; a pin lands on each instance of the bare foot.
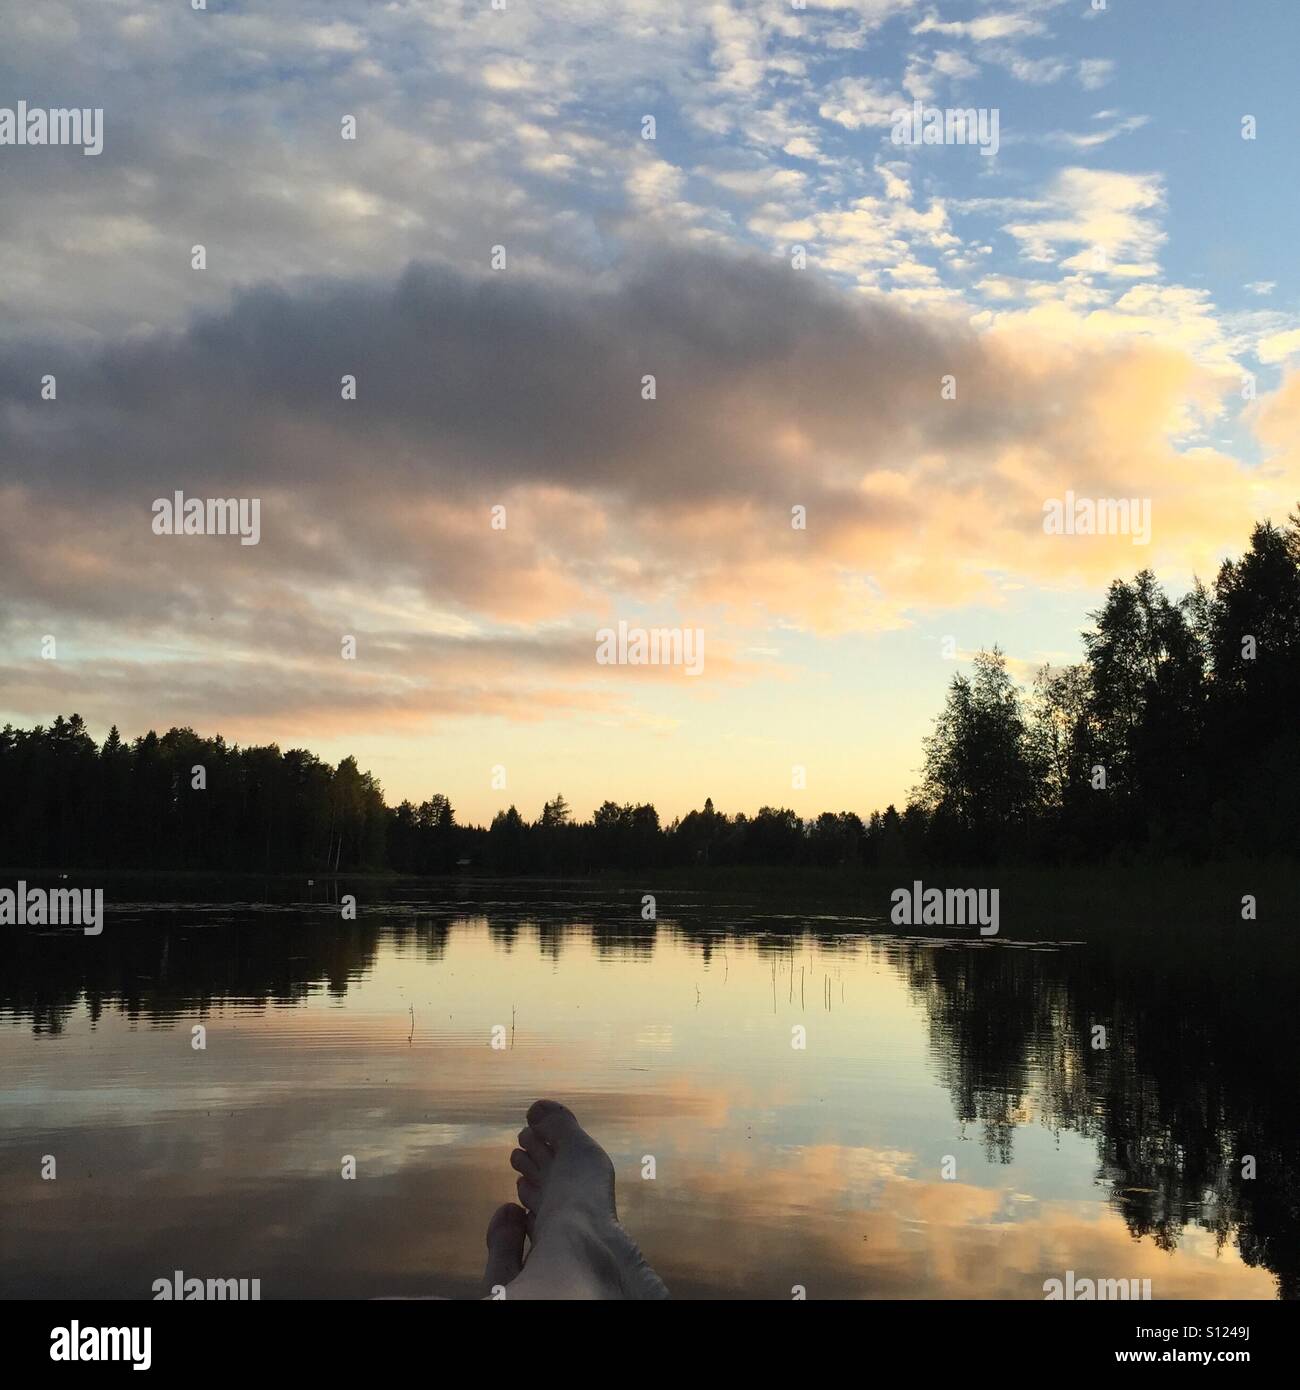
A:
(578, 1248)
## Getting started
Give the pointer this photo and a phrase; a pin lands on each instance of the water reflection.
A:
(776, 1165)
(1197, 1078)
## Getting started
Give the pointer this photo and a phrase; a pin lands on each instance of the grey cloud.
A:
(470, 386)
(470, 379)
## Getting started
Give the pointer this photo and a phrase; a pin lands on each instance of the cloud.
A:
(858, 102)
(983, 29)
(1092, 139)
(1094, 73)
(773, 390)
(925, 76)
(1276, 420)
(1277, 347)
(1095, 208)
(1037, 72)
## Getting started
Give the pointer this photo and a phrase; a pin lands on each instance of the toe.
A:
(508, 1222)
(530, 1193)
(536, 1148)
(525, 1166)
(552, 1121)
(505, 1245)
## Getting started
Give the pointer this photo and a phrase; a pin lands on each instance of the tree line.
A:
(1174, 736)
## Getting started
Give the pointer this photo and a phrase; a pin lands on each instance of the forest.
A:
(1174, 737)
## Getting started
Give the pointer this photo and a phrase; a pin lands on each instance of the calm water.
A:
(775, 1166)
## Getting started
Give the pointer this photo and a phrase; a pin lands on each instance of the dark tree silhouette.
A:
(981, 780)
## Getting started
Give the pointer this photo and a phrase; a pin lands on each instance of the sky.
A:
(918, 345)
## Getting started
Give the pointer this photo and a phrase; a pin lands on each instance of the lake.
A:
(945, 1125)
